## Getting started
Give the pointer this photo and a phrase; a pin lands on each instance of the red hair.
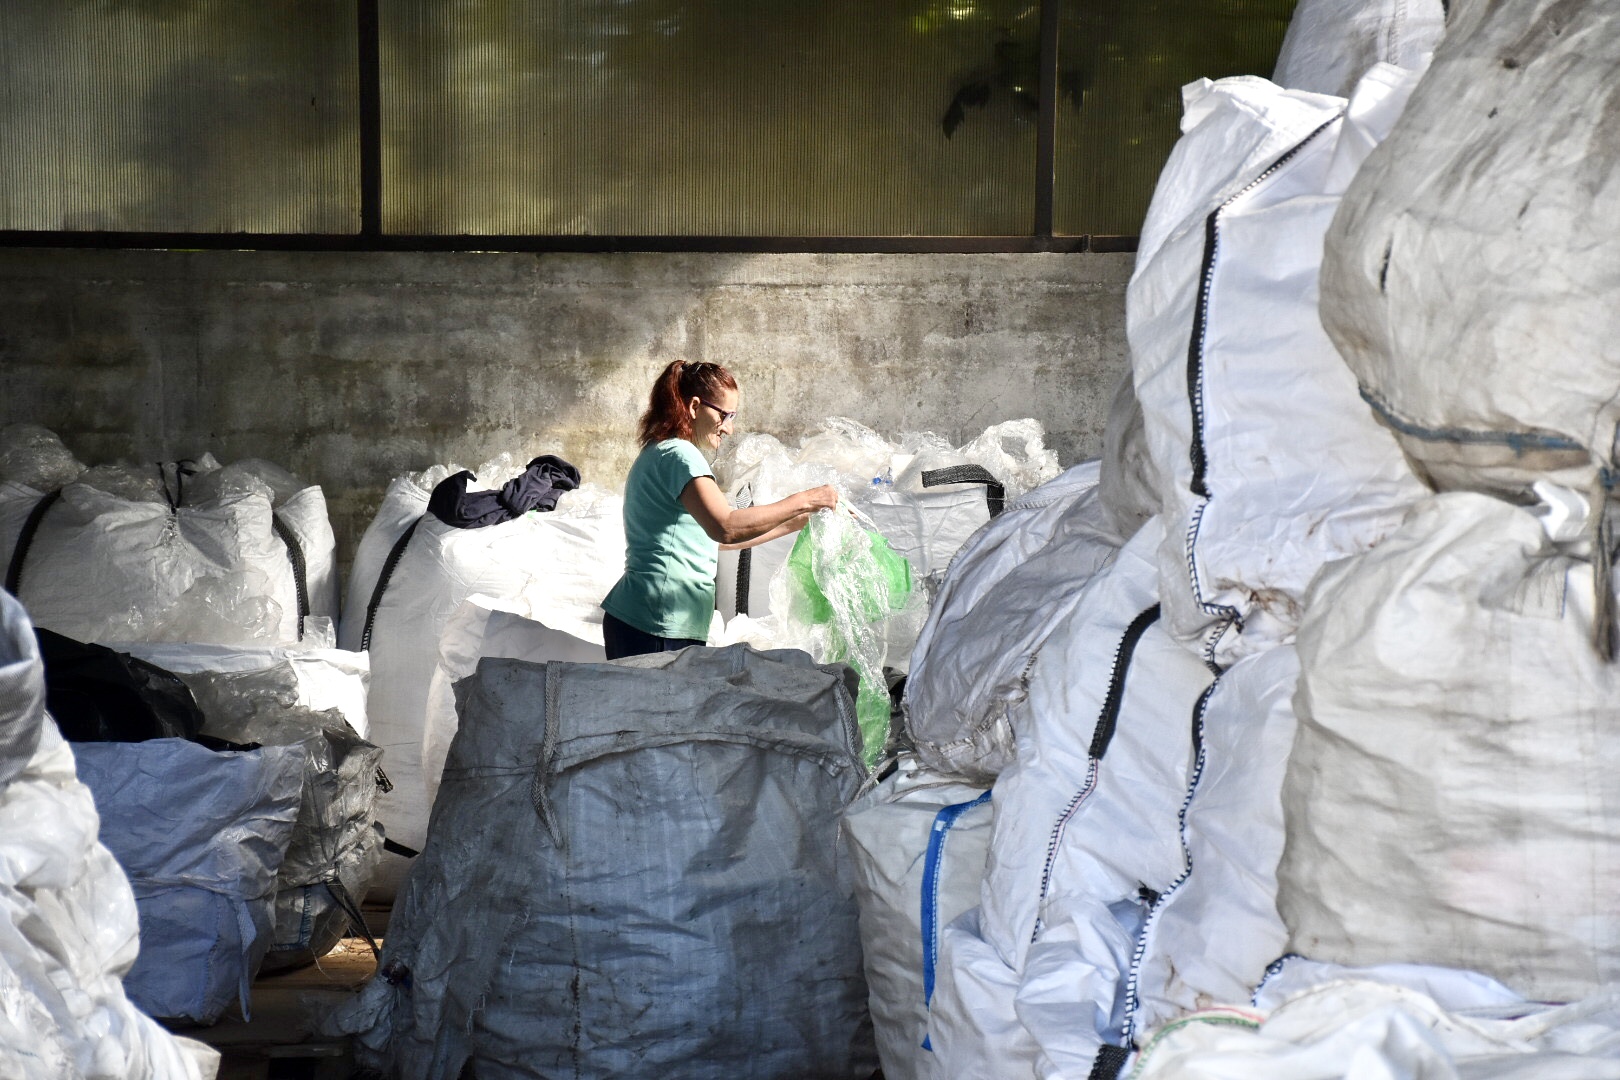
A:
(666, 416)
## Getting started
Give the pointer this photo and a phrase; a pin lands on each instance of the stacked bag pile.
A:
(1254, 689)
(68, 923)
(246, 825)
(1459, 681)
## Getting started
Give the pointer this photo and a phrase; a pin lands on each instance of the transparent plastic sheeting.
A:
(840, 593)
(883, 481)
(68, 924)
(856, 459)
(315, 698)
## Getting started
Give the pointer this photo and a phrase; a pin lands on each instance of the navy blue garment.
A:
(543, 481)
(623, 640)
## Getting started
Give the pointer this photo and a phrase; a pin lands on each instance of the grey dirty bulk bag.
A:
(1331, 44)
(1269, 462)
(1470, 276)
(917, 841)
(1009, 586)
(68, 925)
(1451, 794)
(201, 835)
(633, 870)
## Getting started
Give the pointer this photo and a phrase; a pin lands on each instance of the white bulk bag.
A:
(1007, 591)
(703, 928)
(484, 626)
(1210, 937)
(1451, 790)
(201, 835)
(1113, 848)
(973, 1026)
(1451, 988)
(1469, 277)
(103, 568)
(412, 571)
(1270, 464)
(305, 527)
(68, 925)
(1358, 1028)
(917, 843)
(1129, 485)
(1104, 750)
(1331, 44)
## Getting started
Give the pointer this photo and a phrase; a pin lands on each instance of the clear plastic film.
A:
(840, 590)
(33, 456)
(758, 468)
(335, 838)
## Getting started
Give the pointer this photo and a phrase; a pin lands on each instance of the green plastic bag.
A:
(878, 598)
(849, 579)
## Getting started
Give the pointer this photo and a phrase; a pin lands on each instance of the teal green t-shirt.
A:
(669, 561)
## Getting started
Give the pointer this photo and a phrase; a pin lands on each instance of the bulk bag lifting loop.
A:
(25, 541)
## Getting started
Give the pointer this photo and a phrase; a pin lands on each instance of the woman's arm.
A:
(734, 526)
(787, 528)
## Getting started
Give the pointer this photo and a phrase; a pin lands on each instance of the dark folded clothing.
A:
(543, 482)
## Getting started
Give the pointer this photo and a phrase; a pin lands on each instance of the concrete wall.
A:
(350, 369)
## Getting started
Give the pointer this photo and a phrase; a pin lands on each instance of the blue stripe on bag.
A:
(930, 891)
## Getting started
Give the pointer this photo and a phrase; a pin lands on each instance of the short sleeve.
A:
(681, 464)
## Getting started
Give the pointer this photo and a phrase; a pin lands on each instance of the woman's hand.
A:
(824, 497)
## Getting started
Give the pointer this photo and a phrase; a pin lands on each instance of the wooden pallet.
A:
(278, 1043)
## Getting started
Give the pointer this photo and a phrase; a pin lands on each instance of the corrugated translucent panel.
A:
(1121, 69)
(179, 115)
(727, 117)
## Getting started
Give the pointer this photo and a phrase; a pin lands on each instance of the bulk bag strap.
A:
(295, 555)
(995, 493)
(26, 537)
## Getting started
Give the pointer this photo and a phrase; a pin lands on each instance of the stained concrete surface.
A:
(352, 368)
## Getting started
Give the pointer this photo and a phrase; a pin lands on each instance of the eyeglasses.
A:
(725, 417)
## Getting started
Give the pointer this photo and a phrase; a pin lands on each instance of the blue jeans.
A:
(623, 640)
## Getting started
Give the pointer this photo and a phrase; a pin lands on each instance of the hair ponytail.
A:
(666, 416)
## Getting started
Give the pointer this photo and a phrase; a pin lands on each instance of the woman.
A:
(676, 518)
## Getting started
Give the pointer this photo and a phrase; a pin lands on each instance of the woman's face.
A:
(711, 417)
